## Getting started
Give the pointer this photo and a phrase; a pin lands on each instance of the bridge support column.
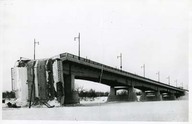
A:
(71, 96)
(112, 91)
(143, 96)
(132, 94)
(158, 96)
(112, 95)
(172, 96)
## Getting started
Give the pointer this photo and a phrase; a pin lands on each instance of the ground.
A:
(98, 110)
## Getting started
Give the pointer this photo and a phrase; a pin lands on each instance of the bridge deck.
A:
(87, 62)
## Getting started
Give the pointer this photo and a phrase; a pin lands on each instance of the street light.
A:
(176, 82)
(79, 44)
(143, 70)
(158, 74)
(35, 46)
(168, 79)
(120, 60)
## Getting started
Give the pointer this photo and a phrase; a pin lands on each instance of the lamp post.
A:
(168, 79)
(34, 47)
(176, 82)
(78, 45)
(120, 60)
(143, 70)
(158, 74)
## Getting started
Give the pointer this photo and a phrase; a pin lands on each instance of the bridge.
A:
(75, 67)
(46, 79)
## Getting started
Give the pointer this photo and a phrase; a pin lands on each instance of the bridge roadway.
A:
(75, 67)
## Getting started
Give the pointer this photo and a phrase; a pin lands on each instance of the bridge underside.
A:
(74, 71)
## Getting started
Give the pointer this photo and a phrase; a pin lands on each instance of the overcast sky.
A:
(150, 32)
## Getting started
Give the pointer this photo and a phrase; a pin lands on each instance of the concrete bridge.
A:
(82, 68)
(46, 79)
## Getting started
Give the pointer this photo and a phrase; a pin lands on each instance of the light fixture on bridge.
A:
(176, 82)
(35, 46)
(158, 74)
(120, 60)
(79, 44)
(169, 79)
(143, 67)
(182, 85)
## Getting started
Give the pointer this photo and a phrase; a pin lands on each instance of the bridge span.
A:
(55, 76)
(85, 69)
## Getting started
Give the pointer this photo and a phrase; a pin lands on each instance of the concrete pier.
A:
(169, 96)
(158, 96)
(172, 96)
(131, 96)
(150, 96)
(71, 96)
(112, 91)
(143, 96)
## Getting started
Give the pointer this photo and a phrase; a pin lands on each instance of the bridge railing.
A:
(96, 63)
(92, 62)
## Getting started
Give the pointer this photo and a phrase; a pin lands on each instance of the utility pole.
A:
(79, 44)
(34, 47)
(158, 74)
(143, 70)
(120, 60)
(168, 79)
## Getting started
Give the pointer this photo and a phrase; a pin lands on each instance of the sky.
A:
(150, 32)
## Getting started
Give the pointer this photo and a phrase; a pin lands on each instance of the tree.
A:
(79, 89)
(8, 94)
(92, 93)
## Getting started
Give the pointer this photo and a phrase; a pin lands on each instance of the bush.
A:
(8, 94)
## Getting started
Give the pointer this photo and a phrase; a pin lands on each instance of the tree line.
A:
(92, 93)
(81, 92)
